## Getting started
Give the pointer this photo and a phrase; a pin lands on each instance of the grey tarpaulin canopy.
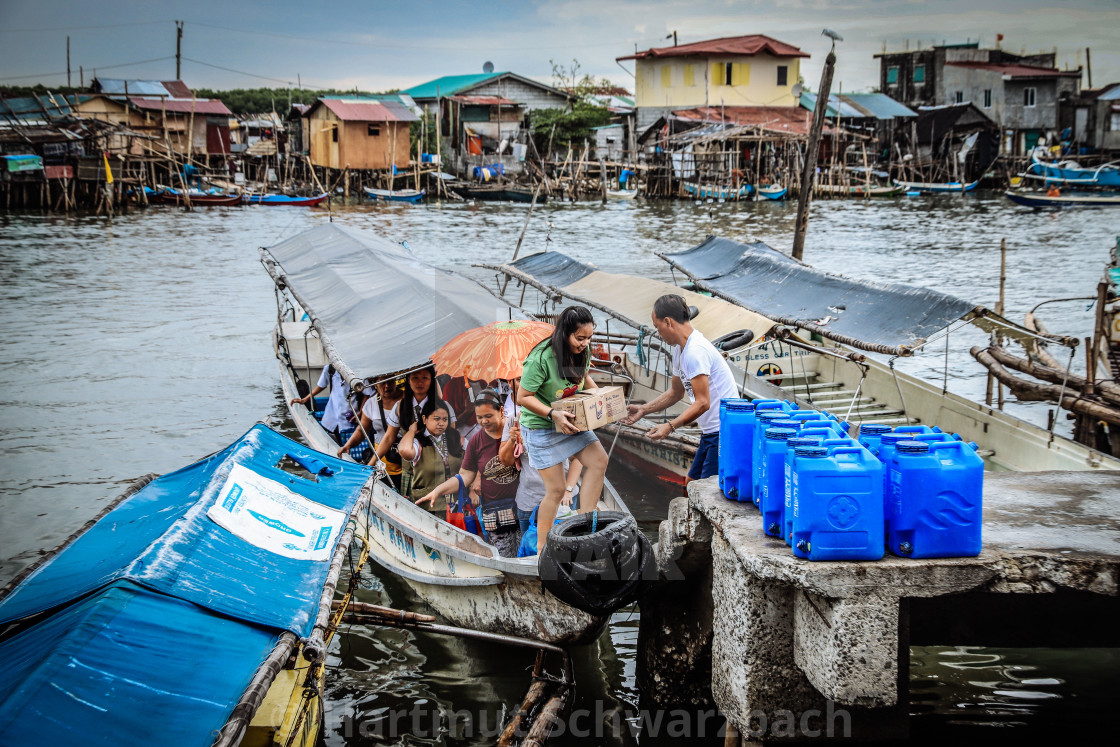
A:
(378, 308)
(888, 318)
(627, 297)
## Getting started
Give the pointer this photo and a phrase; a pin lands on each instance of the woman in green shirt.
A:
(556, 368)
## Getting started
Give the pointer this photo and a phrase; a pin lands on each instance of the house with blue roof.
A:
(528, 93)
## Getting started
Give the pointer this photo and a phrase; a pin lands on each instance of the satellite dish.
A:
(488, 67)
(798, 89)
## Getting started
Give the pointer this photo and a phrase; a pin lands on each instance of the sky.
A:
(375, 45)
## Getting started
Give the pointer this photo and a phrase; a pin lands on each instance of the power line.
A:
(93, 67)
(254, 75)
(82, 28)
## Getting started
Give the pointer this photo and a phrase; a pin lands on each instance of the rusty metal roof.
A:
(791, 119)
(366, 111)
(181, 106)
(484, 101)
(731, 45)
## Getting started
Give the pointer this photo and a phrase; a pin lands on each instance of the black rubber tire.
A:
(597, 573)
(732, 340)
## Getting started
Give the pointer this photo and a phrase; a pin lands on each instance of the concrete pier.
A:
(787, 648)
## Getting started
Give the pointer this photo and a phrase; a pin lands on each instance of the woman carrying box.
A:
(556, 368)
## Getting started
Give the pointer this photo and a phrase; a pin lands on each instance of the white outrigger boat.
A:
(812, 357)
(350, 298)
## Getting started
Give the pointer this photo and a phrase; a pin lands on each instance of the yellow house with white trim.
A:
(735, 71)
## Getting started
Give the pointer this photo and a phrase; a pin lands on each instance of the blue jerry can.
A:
(772, 499)
(792, 445)
(936, 500)
(837, 504)
(736, 433)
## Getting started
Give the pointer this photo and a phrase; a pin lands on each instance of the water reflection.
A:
(140, 344)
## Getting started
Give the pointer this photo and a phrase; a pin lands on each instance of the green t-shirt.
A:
(540, 374)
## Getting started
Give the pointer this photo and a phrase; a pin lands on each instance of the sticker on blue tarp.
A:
(268, 515)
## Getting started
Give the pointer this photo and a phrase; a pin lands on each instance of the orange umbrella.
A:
(493, 351)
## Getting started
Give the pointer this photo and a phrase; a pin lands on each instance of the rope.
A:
(1062, 394)
(855, 398)
(945, 371)
(898, 387)
(643, 359)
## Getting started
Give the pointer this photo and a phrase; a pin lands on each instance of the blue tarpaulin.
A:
(159, 617)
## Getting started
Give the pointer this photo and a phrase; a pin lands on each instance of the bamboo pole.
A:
(804, 196)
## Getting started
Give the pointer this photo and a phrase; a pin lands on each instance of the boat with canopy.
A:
(331, 281)
(196, 606)
(803, 342)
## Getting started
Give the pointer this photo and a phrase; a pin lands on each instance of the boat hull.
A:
(399, 195)
(1083, 200)
(173, 198)
(705, 191)
(773, 194)
(1100, 177)
(935, 187)
(278, 200)
(499, 194)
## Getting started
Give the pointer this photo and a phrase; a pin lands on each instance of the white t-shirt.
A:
(334, 414)
(393, 418)
(373, 412)
(700, 358)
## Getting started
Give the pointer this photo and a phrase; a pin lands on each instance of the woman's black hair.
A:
(572, 366)
(405, 414)
(454, 440)
(489, 397)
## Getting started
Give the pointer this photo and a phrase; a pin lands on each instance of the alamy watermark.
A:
(427, 722)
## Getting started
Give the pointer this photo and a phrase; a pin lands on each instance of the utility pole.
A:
(804, 195)
(178, 49)
(68, 62)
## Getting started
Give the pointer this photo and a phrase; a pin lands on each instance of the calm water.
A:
(141, 344)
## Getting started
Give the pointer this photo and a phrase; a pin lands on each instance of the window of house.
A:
(666, 76)
(334, 133)
(1029, 96)
(987, 98)
(783, 75)
(919, 73)
(690, 75)
(959, 97)
(1114, 122)
(892, 74)
(728, 74)
(374, 130)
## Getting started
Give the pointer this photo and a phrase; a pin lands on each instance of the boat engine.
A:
(596, 562)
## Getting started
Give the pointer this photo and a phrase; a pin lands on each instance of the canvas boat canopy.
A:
(378, 308)
(629, 298)
(153, 621)
(888, 318)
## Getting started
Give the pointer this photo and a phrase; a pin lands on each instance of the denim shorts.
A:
(706, 461)
(547, 448)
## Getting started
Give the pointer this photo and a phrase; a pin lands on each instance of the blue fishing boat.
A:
(708, 191)
(171, 615)
(1071, 172)
(395, 195)
(284, 200)
(773, 192)
(1072, 199)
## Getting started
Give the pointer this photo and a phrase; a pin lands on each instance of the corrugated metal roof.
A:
(123, 87)
(1113, 94)
(792, 119)
(181, 106)
(448, 85)
(485, 101)
(860, 105)
(47, 107)
(1019, 71)
(367, 111)
(730, 45)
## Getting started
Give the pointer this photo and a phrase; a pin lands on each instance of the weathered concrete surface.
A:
(789, 634)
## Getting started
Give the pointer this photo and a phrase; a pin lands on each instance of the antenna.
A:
(488, 67)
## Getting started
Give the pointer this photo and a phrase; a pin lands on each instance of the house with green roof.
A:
(526, 92)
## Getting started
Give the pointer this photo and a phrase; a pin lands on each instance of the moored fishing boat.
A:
(497, 193)
(395, 195)
(1071, 172)
(1069, 199)
(804, 342)
(936, 187)
(169, 196)
(861, 190)
(340, 278)
(710, 191)
(622, 194)
(773, 192)
(175, 610)
(290, 200)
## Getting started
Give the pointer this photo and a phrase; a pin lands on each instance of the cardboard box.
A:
(595, 407)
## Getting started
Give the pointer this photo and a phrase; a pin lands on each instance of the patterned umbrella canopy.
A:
(493, 351)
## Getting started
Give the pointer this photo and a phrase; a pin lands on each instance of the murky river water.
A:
(140, 344)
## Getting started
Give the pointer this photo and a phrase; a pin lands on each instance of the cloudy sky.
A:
(377, 45)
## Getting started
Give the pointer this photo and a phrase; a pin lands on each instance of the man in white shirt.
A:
(334, 414)
(698, 370)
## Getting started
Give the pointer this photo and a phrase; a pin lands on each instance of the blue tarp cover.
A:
(887, 316)
(160, 616)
